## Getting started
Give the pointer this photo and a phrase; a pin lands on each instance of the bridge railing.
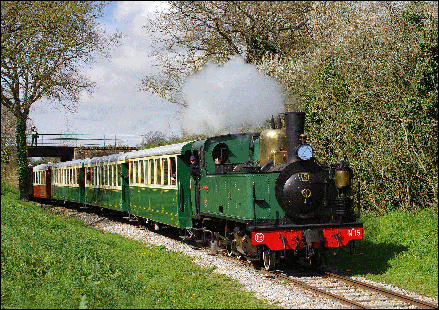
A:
(77, 140)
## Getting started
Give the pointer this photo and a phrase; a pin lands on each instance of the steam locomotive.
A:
(262, 196)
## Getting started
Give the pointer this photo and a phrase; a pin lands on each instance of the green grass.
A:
(399, 249)
(51, 262)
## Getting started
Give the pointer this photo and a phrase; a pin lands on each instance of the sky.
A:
(116, 107)
(218, 97)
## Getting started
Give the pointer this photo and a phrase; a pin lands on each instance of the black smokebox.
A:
(295, 126)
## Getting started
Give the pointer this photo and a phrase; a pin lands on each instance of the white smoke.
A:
(222, 99)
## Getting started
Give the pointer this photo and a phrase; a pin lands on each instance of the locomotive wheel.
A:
(269, 258)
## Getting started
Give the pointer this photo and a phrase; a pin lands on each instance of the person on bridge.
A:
(34, 135)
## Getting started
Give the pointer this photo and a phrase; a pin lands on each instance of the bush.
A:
(7, 188)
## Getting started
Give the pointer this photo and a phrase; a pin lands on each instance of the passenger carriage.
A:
(102, 183)
(66, 180)
(157, 178)
(41, 181)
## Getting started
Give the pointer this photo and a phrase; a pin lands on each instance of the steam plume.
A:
(221, 99)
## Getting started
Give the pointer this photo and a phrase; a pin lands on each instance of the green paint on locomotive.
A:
(226, 189)
(232, 196)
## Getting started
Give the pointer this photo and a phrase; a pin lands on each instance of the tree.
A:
(191, 33)
(45, 44)
(368, 83)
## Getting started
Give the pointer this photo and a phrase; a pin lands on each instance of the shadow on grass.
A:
(370, 258)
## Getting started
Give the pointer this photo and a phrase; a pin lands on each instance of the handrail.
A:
(78, 139)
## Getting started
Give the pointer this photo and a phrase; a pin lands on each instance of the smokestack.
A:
(295, 126)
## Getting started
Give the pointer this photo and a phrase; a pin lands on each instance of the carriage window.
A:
(107, 174)
(173, 170)
(146, 172)
(110, 175)
(158, 172)
(136, 172)
(131, 172)
(117, 175)
(88, 175)
(142, 172)
(165, 171)
(152, 172)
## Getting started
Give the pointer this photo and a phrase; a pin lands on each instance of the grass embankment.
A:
(51, 262)
(398, 248)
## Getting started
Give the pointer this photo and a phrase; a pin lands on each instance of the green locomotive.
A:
(258, 195)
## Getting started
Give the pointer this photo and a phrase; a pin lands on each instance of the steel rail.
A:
(418, 303)
(317, 290)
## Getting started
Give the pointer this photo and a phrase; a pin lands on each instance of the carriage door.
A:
(125, 187)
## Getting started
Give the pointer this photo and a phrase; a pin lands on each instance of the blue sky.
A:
(220, 98)
(116, 106)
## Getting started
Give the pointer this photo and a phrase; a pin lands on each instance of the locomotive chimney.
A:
(295, 126)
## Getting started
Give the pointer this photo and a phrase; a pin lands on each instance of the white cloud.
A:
(116, 105)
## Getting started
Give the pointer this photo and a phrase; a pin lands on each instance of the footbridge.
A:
(65, 153)
(75, 146)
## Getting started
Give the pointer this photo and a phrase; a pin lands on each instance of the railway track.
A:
(345, 290)
(354, 293)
